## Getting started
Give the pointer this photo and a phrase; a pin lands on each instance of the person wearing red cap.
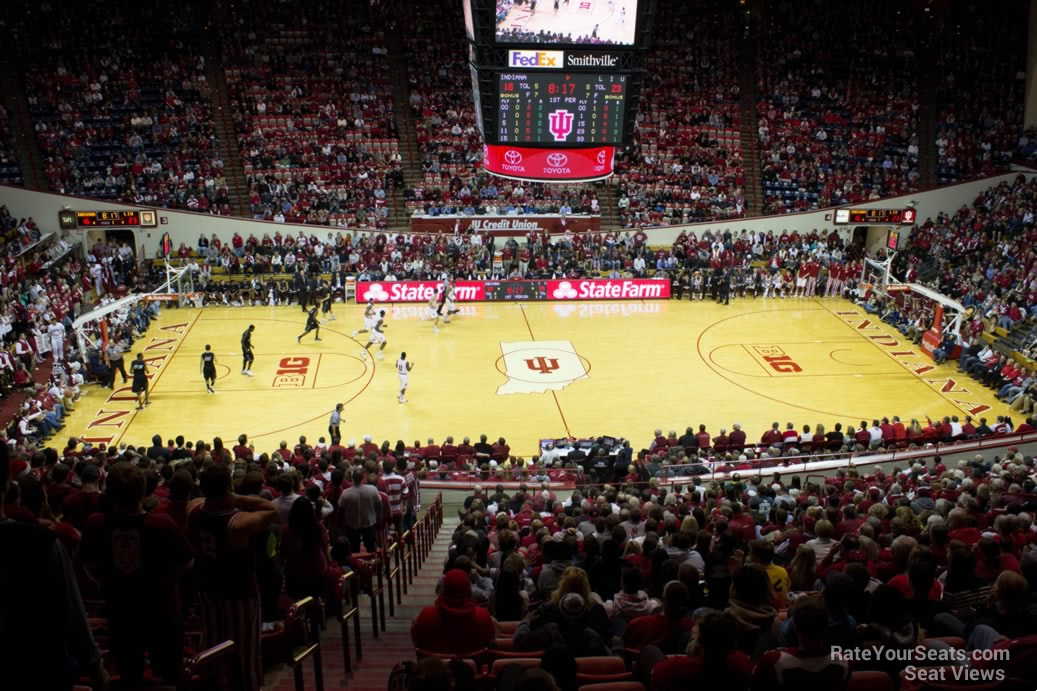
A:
(455, 623)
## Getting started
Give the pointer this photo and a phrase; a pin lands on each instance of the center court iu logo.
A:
(539, 366)
(561, 124)
(513, 157)
(543, 365)
(557, 160)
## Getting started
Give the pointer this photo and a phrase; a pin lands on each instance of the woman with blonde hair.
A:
(803, 569)
(572, 616)
(690, 526)
(574, 580)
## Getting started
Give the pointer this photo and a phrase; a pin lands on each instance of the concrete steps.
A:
(392, 646)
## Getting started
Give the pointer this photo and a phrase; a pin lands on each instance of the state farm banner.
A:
(506, 225)
(608, 289)
(416, 291)
(549, 165)
(532, 290)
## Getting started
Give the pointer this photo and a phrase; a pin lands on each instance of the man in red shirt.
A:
(772, 437)
(703, 438)
(431, 451)
(242, 450)
(448, 452)
(736, 442)
(368, 447)
(455, 623)
(134, 555)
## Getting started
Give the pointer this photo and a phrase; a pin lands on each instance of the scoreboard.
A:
(541, 108)
(556, 88)
(516, 290)
(146, 218)
(875, 217)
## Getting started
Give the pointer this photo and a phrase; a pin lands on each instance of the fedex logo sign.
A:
(547, 59)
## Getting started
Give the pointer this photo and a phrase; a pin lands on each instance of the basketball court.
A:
(608, 20)
(532, 371)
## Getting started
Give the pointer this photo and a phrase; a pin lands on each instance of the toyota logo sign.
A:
(557, 160)
(601, 157)
(513, 157)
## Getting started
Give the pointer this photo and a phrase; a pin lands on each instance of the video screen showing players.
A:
(586, 22)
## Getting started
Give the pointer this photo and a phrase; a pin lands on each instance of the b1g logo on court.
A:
(539, 366)
(291, 372)
(777, 359)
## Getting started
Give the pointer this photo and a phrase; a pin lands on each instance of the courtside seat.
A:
(953, 641)
(297, 638)
(500, 664)
(474, 655)
(507, 628)
(601, 669)
(615, 686)
(869, 681)
(503, 648)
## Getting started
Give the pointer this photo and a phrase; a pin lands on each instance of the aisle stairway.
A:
(405, 129)
(927, 117)
(371, 673)
(750, 125)
(233, 171)
(26, 146)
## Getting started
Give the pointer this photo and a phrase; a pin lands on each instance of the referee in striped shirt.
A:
(333, 424)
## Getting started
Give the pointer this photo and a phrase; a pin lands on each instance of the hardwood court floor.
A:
(579, 368)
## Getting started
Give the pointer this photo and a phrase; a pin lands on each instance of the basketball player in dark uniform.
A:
(311, 325)
(302, 288)
(139, 369)
(209, 368)
(325, 307)
(247, 357)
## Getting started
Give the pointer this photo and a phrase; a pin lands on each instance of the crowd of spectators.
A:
(927, 550)
(311, 101)
(981, 56)
(748, 584)
(838, 120)
(982, 255)
(122, 119)
(10, 171)
(449, 142)
(685, 162)
(285, 522)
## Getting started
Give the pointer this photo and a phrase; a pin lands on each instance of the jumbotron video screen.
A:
(568, 22)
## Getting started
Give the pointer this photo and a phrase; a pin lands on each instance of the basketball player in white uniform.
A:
(431, 314)
(448, 304)
(403, 369)
(377, 337)
(370, 318)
